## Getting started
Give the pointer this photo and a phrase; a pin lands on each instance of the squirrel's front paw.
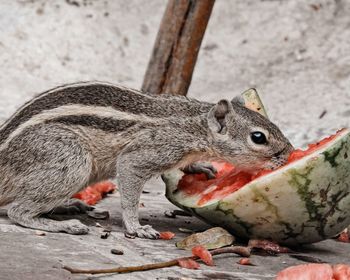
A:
(201, 167)
(145, 231)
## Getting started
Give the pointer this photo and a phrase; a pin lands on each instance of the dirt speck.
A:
(316, 7)
(39, 11)
(144, 29)
(210, 47)
(73, 3)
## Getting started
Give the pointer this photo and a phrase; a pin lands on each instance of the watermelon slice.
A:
(305, 201)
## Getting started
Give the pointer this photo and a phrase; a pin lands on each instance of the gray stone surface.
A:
(24, 255)
(296, 53)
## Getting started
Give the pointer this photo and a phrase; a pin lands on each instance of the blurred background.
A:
(296, 53)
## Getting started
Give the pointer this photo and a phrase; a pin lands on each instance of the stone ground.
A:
(25, 255)
(296, 53)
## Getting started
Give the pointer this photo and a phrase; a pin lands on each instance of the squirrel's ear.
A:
(244, 98)
(238, 100)
(217, 116)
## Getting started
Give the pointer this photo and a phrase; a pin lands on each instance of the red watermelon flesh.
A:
(166, 235)
(341, 272)
(202, 253)
(94, 193)
(344, 236)
(188, 263)
(229, 179)
(315, 271)
(312, 271)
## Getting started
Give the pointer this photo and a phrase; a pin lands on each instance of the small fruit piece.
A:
(203, 254)
(105, 187)
(188, 263)
(341, 272)
(89, 195)
(344, 236)
(94, 193)
(315, 271)
(310, 271)
(166, 235)
(244, 261)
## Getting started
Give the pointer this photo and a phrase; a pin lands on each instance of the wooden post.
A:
(177, 45)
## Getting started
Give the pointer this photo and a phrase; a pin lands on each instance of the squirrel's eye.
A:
(258, 137)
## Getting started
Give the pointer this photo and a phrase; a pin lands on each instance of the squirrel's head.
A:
(246, 138)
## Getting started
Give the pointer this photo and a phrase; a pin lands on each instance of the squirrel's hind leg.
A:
(71, 207)
(53, 164)
(24, 216)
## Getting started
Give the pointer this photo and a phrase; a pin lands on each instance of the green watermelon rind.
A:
(303, 202)
(253, 101)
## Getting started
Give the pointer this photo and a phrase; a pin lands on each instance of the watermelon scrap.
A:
(94, 193)
(188, 263)
(312, 271)
(244, 261)
(166, 235)
(341, 272)
(202, 253)
(344, 236)
(315, 271)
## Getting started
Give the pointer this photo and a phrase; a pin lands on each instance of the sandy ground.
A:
(296, 53)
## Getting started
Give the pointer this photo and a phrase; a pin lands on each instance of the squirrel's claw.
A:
(145, 231)
(201, 167)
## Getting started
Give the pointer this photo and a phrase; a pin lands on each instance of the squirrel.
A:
(75, 135)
